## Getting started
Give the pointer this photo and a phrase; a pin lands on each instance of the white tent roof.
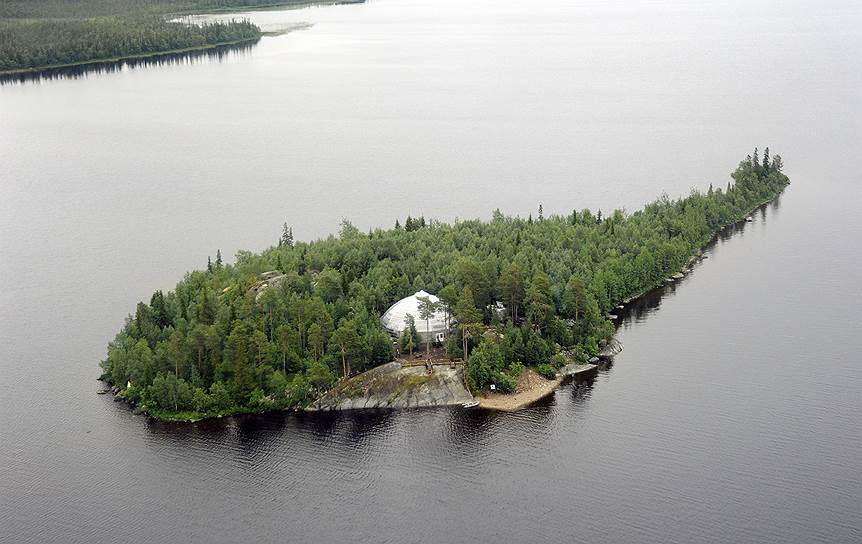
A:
(394, 317)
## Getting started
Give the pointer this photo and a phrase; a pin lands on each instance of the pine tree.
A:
(766, 160)
(469, 318)
(209, 264)
(410, 336)
(286, 239)
(511, 288)
(755, 160)
(218, 259)
(777, 163)
(427, 308)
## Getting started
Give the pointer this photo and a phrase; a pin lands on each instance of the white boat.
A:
(748, 219)
(471, 404)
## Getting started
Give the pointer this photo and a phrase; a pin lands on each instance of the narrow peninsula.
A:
(422, 314)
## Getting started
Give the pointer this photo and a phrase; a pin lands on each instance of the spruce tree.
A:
(777, 163)
(286, 239)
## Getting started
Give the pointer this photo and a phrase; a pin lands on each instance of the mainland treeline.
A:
(41, 43)
(42, 33)
(64, 9)
(219, 344)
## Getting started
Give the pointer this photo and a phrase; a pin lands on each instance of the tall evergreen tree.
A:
(469, 318)
(511, 288)
(286, 239)
(427, 308)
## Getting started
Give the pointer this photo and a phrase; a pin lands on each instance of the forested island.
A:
(531, 293)
(42, 34)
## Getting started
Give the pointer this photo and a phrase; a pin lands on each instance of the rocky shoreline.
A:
(392, 385)
(395, 386)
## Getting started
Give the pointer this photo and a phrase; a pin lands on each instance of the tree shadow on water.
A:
(215, 54)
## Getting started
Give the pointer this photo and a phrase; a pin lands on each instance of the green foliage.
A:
(453, 347)
(259, 401)
(379, 346)
(221, 333)
(469, 319)
(559, 361)
(515, 369)
(484, 366)
(202, 401)
(42, 33)
(298, 391)
(505, 383)
(320, 377)
(220, 395)
(170, 393)
(29, 9)
(546, 371)
(30, 43)
(410, 337)
(510, 287)
(427, 309)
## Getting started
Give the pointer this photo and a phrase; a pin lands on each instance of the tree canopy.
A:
(221, 342)
(38, 34)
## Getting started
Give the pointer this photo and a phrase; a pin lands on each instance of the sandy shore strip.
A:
(531, 387)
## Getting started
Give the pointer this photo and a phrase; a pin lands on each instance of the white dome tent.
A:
(394, 318)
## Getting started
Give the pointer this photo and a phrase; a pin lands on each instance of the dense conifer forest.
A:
(220, 344)
(42, 33)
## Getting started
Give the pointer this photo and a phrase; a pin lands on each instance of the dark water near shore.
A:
(219, 53)
(734, 414)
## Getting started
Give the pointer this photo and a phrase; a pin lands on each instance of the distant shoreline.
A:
(138, 56)
(195, 49)
(267, 7)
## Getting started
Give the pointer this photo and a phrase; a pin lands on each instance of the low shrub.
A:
(546, 371)
(506, 383)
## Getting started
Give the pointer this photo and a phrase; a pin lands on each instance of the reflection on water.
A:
(730, 416)
(648, 303)
(216, 54)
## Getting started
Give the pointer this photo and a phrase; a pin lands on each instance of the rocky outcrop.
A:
(575, 369)
(610, 349)
(267, 279)
(391, 386)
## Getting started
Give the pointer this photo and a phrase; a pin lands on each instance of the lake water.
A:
(734, 414)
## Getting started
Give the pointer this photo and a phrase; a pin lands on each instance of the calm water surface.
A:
(733, 415)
